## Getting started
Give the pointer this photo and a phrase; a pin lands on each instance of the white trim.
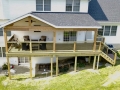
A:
(24, 16)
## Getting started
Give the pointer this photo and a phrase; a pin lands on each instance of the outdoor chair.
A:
(43, 45)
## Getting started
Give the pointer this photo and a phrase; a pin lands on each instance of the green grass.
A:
(82, 80)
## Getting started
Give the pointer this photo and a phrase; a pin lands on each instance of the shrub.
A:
(4, 66)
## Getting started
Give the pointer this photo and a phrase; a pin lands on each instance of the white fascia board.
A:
(78, 27)
(100, 22)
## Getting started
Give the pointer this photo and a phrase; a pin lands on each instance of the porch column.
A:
(9, 74)
(95, 36)
(54, 40)
(30, 61)
(51, 66)
(75, 66)
(94, 63)
(5, 39)
(57, 66)
(98, 61)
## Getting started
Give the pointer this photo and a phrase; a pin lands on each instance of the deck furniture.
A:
(25, 46)
(43, 45)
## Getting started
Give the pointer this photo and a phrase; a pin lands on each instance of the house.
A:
(45, 31)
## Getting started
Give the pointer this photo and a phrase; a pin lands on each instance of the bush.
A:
(4, 67)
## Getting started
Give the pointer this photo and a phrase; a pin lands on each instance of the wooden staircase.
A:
(107, 58)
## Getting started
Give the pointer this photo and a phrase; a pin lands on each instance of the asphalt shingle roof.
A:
(66, 19)
(105, 10)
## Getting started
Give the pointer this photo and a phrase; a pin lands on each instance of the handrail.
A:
(108, 47)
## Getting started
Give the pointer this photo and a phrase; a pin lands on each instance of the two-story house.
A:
(45, 31)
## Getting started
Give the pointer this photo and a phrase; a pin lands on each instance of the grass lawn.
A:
(107, 78)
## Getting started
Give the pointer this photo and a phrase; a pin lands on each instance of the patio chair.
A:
(43, 45)
(25, 46)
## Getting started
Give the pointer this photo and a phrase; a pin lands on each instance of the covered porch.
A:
(52, 46)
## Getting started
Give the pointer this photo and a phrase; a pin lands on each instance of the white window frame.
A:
(2, 52)
(74, 38)
(43, 6)
(72, 7)
(110, 29)
(23, 58)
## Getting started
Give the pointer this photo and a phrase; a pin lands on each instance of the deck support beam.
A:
(9, 74)
(57, 66)
(94, 62)
(51, 66)
(30, 61)
(75, 66)
(95, 36)
(98, 61)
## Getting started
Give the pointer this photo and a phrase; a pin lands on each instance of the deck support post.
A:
(9, 74)
(94, 62)
(30, 61)
(51, 66)
(57, 66)
(89, 59)
(95, 36)
(75, 66)
(98, 61)
(54, 41)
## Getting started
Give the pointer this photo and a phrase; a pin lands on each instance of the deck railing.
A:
(108, 51)
(51, 46)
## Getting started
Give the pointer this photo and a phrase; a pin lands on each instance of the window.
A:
(72, 5)
(1, 32)
(43, 5)
(23, 59)
(8, 32)
(70, 36)
(2, 52)
(108, 31)
(100, 31)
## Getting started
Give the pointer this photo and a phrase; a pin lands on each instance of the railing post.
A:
(95, 36)
(30, 47)
(100, 46)
(74, 46)
(115, 58)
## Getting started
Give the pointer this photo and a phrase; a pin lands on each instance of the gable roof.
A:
(61, 19)
(67, 19)
(105, 10)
